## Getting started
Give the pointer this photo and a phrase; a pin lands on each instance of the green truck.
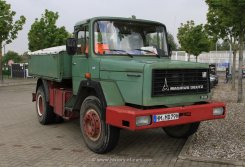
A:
(116, 73)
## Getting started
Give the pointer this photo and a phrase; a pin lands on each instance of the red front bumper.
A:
(125, 116)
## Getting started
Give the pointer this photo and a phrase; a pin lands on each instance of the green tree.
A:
(226, 20)
(25, 57)
(171, 42)
(224, 45)
(44, 33)
(219, 27)
(8, 27)
(193, 39)
(11, 55)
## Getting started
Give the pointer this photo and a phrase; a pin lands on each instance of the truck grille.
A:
(179, 81)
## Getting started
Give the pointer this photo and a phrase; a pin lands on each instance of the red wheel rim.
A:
(40, 107)
(92, 125)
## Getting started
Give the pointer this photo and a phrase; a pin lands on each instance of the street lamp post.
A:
(216, 48)
(230, 53)
(1, 80)
(2, 60)
(4, 51)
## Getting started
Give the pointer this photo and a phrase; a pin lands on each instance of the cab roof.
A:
(115, 18)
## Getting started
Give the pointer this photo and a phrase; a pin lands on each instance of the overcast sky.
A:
(171, 13)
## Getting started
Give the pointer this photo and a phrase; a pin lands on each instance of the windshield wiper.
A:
(162, 52)
(148, 51)
(118, 50)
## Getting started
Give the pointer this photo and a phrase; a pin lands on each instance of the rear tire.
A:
(45, 112)
(181, 131)
(98, 136)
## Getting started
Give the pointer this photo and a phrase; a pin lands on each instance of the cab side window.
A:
(83, 40)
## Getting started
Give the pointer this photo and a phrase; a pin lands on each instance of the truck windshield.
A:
(134, 38)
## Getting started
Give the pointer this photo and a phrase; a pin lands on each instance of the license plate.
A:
(166, 117)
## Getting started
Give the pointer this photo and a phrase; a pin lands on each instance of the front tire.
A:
(181, 131)
(45, 113)
(98, 136)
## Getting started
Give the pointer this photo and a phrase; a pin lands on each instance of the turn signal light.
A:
(218, 111)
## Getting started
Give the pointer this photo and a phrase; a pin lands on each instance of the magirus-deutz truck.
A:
(116, 73)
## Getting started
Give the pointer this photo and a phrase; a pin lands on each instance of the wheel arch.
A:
(44, 83)
(88, 88)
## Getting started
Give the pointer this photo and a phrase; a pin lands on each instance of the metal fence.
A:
(220, 58)
(19, 70)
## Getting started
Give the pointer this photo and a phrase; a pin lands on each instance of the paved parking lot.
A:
(24, 142)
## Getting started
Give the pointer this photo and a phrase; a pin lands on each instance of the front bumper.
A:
(125, 116)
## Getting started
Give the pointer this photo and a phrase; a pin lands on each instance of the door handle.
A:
(133, 75)
(74, 63)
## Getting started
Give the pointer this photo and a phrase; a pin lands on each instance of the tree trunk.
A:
(240, 95)
(189, 56)
(233, 87)
(196, 59)
(1, 71)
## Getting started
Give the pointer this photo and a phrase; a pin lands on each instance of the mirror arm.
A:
(169, 50)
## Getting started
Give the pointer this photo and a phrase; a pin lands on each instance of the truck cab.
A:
(117, 73)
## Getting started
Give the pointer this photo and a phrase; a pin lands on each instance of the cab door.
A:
(80, 62)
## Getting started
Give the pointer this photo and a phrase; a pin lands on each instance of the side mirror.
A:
(71, 46)
(169, 50)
